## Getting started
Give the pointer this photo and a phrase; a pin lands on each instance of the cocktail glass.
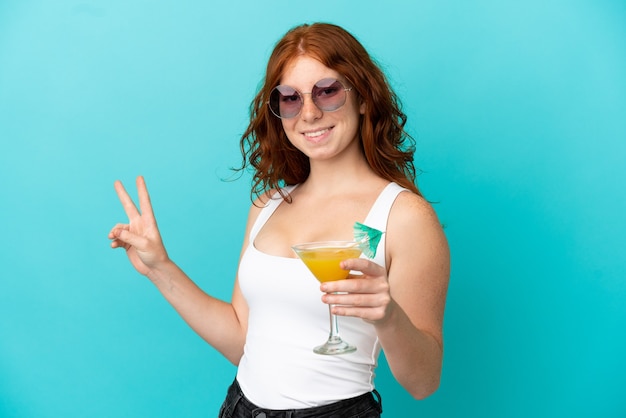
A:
(323, 259)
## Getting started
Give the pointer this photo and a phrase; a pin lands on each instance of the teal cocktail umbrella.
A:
(368, 238)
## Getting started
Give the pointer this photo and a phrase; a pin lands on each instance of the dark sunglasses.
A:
(328, 95)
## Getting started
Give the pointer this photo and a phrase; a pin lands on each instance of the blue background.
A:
(518, 109)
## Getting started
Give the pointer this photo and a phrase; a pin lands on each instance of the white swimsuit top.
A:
(287, 319)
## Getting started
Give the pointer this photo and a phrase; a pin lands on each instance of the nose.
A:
(310, 111)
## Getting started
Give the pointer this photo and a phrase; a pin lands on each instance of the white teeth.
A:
(314, 134)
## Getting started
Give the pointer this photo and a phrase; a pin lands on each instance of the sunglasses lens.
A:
(285, 102)
(329, 94)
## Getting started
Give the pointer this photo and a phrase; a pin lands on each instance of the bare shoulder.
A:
(257, 206)
(411, 210)
(413, 225)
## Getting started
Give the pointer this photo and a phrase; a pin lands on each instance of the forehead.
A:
(304, 71)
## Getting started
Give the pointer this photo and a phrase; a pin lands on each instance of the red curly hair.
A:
(387, 147)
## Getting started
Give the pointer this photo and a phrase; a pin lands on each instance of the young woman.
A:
(328, 148)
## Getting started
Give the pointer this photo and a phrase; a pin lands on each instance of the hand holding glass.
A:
(323, 259)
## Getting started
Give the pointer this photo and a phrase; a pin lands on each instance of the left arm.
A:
(405, 304)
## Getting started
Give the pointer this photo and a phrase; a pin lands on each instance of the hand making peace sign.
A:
(140, 236)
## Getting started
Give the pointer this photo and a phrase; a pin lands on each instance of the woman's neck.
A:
(329, 177)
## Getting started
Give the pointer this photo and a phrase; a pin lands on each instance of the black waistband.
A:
(370, 401)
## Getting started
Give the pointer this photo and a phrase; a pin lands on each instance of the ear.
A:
(362, 107)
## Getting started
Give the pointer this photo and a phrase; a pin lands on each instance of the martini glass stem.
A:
(334, 344)
(333, 337)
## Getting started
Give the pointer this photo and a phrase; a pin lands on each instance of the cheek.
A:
(290, 132)
(288, 126)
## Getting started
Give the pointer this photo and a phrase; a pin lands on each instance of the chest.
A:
(306, 220)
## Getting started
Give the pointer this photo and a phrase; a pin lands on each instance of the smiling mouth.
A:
(316, 134)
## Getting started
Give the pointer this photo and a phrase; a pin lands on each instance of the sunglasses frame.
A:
(301, 97)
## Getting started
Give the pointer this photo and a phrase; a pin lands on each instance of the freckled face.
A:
(319, 134)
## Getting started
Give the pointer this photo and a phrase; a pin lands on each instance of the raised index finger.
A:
(127, 202)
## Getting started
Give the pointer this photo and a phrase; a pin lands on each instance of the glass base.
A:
(334, 347)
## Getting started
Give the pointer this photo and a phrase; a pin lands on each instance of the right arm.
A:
(223, 325)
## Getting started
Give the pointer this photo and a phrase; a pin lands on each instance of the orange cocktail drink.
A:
(324, 262)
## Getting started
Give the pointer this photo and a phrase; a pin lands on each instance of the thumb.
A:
(128, 238)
